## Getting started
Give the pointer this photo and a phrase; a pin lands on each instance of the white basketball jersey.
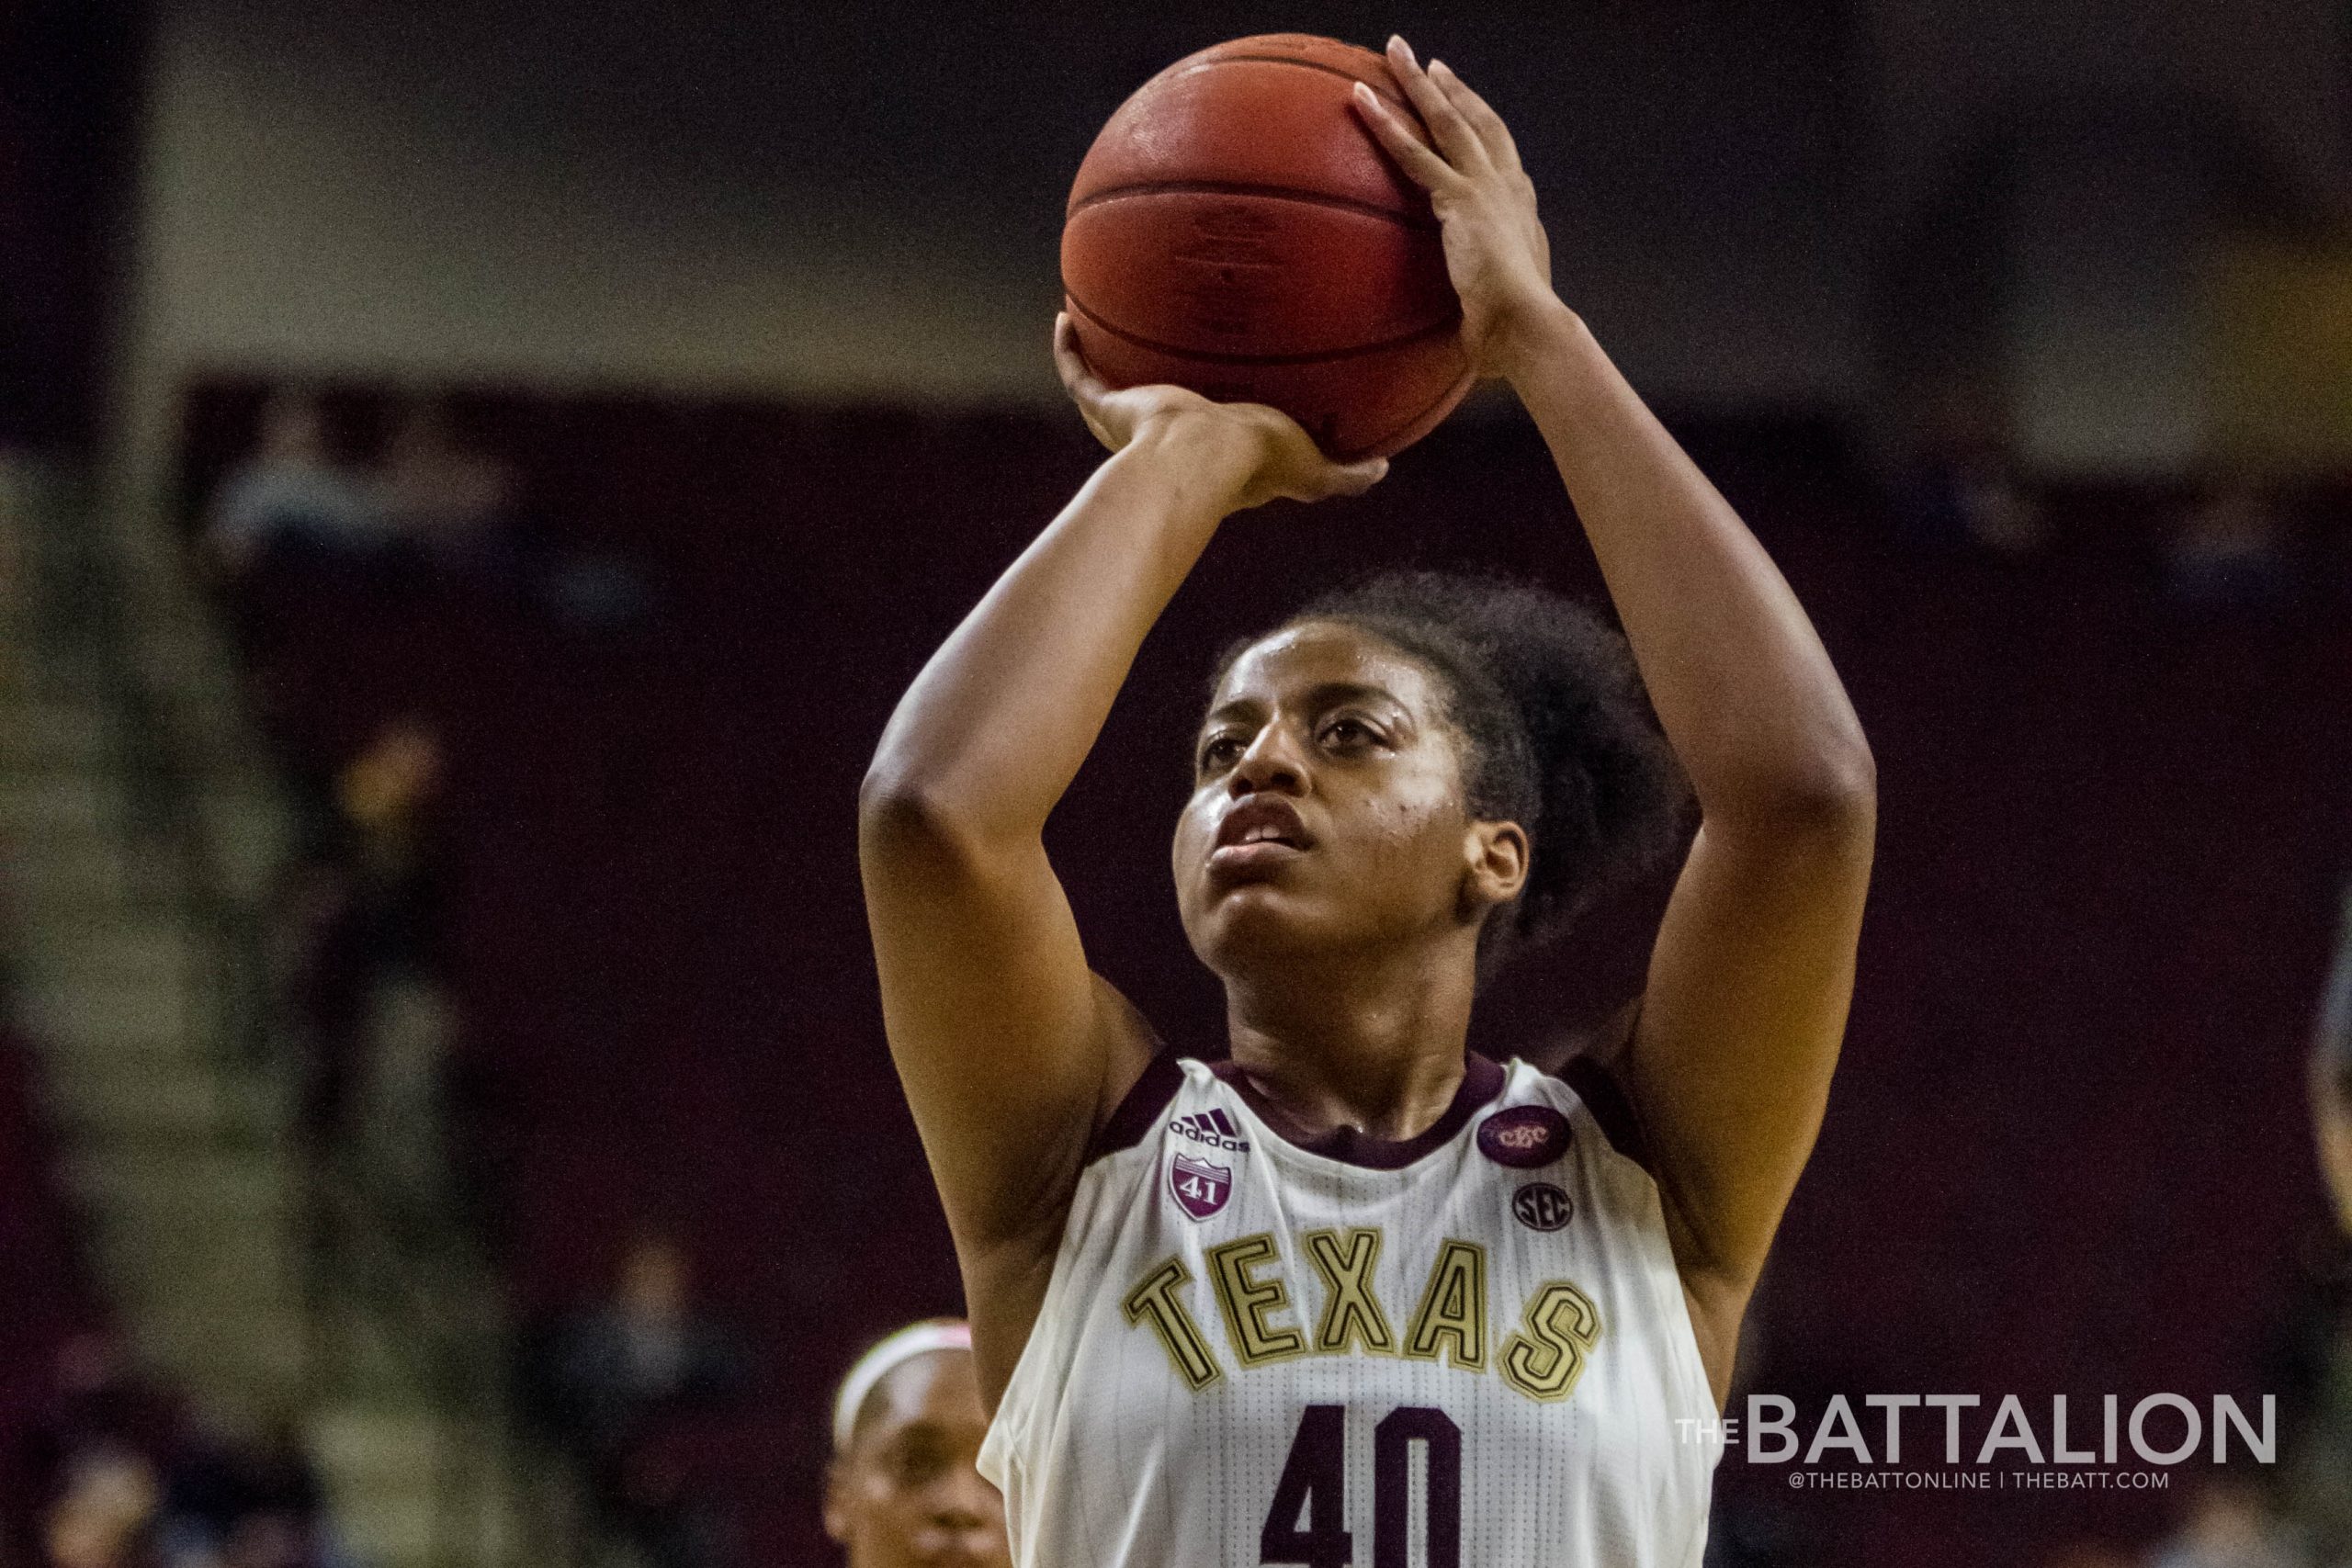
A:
(1468, 1349)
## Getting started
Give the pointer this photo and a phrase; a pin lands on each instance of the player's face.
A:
(1327, 813)
(910, 1491)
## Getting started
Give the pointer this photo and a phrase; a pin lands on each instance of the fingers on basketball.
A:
(1421, 165)
(1452, 131)
(1501, 151)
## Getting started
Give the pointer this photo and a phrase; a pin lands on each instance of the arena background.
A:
(2018, 332)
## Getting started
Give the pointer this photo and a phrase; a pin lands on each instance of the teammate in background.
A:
(907, 1427)
(2332, 1074)
(1354, 1297)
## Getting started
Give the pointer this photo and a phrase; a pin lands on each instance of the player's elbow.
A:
(1830, 795)
(904, 816)
(897, 809)
(1841, 791)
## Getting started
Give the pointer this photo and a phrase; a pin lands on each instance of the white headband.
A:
(914, 1339)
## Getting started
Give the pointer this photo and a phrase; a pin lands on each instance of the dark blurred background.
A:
(474, 477)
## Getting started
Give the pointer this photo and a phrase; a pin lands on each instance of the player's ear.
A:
(837, 1502)
(1495, 857)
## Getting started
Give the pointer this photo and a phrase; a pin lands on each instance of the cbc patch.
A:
(1541, 1206)
(1524, 1137)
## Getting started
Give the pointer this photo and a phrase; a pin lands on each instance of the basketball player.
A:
(1351, 1296)
(907, 1428)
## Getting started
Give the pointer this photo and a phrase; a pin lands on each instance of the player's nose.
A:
(1273, 761)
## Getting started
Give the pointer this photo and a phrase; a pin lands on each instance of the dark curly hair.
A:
(1561, 740)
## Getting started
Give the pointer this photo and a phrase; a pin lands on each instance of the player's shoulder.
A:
(1165, 1080)
(1583, 1082)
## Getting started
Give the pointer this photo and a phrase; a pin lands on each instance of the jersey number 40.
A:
(1308, 1521)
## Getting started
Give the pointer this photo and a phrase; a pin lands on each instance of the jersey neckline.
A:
(1482, 1080)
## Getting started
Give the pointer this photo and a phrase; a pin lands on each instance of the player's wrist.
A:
(1531, 334)
(1205, 450)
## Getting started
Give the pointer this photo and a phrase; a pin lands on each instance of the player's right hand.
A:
(1280, 461)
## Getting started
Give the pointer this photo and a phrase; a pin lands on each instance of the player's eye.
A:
(1220, 751)
(920, 1459)
(1350, 734)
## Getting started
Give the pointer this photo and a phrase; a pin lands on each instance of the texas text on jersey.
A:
(1466, 1348)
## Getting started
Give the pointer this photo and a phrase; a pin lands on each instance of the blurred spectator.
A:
(2230, 552)
(293, 500)
(905, 1488)
(289, 521)
(438, 511)
(458, 510)
(366, 909)
(97, 1402)
(105, 1513)
(1962, 490)
(126, 1478)
(2231, 1524)
(607, 1374)
(448, 501)
(246, 1499)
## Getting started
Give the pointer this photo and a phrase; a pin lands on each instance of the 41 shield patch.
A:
(1199, 1188)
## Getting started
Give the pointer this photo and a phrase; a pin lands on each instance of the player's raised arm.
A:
(1730, 1062)
(1010, 1049)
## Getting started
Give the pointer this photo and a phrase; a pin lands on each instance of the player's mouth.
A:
(1258, 834)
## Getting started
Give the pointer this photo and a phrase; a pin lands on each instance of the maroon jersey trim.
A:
(1140, 1111)
(1482, 1079)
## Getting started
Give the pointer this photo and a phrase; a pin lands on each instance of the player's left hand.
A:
(1496, 250)
(1280, 461)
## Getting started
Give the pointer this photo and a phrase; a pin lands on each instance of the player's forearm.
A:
(1742, 686)
(999, 720)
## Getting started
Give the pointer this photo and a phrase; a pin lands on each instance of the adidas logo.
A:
(1214, 1128)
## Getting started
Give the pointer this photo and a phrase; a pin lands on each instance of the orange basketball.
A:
(1236, 229)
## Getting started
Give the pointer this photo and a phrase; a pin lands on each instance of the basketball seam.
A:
(1244, 188)
(1404, 104)
(1213, 356)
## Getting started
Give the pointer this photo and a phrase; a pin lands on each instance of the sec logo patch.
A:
(1541, 1206)
(1524, 1137)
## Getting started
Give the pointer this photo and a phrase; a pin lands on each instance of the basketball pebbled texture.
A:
(1236, 229)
